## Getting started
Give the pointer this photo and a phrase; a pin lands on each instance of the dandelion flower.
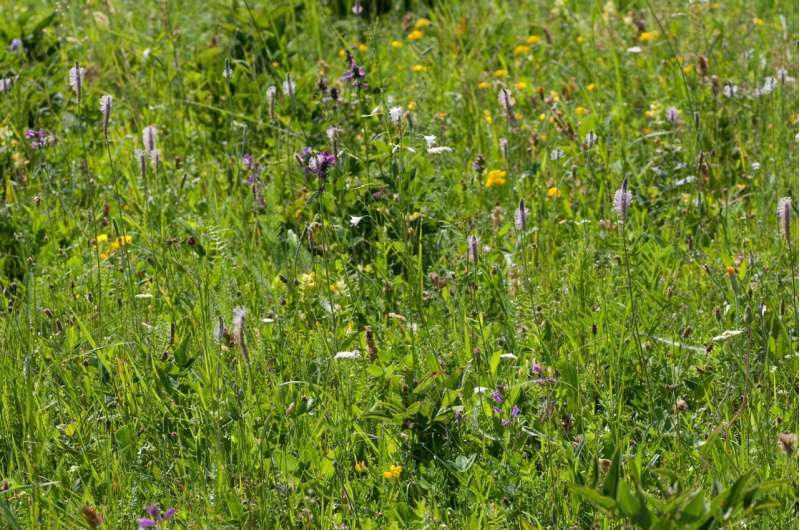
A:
(415, 35)
(533, 40)
(495, 177)
(521, 50)
(483, 85)
(648, 36)
(553, 193)
(419, 68)
(522, 85)
(501, 72)
(422, 23)
(396, 44)
(591, 87)
(758, 21)
(580, 111)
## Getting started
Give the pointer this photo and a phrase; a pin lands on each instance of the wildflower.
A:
(515, 411)
(395, 115)
(522, 85)
(788, 442)
(495, 177)
(412, 105)
(553, 193)
(76, 77)
(393, 472)
(363, 48)
(785, 217)
(521, 50)
(533, 40)
(155, 156)
(479, 164)
(39, 138)
(6, 83)
(439, 149)
(156, 517)
(580, 111)
(361, 467)
(580, 39)
(622, 200)
(271, 91)
(101, 237)
(354, 74)
(15, 45)
(105, 109)
(419, 68)
(536, 369)
(396, 44)
(730, 90)
(672, 115)
(288, 87)
(730, 271)
(497, 410)
(591, 87)
(422, 23)
(758, 21)
(504, 148)
(483, 85)
(472, 249)
(357, 8)
(556, 154)
(505, 99)
(350, 355)
(227, 71)
(502, 72)
(590, 140)
(648, 36)
(521, 216)
(149, 136)
(770, 84)
(142, 160)
(415, 35)
(634, 49)
(497, 396)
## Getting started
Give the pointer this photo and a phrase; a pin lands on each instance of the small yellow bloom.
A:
(580, 111)
(342, 53)
(412, 105)
(542, 116)
(102, 237)
(553, 193)
(580, 39)
(521, 50)
(422, 23)
(591, 87)
(308, 280)
(393, 472)
(362, 47)
(522, 85)
(487, 116)
(419, 68)
(502, 72)
(647, 36)
(483, 85)
(275, 64)
(758, 21)
(518, 116)
(105, 255)
(654, 111)
(338, 287)
(555, 96)
(730, 271)
(361, 467)
(495, 177)
(415, 35)
(688, 68)
(534, 39)
(396, 44)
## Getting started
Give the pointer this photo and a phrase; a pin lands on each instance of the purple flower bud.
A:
(76, 75)
(515, 411)
(145, 523)
(149, 136)
(168, 514)
(15, 45)
(152, 510)
(622, 200)
(536, 369)
(497, 396)
(672, 115)
(497, 411)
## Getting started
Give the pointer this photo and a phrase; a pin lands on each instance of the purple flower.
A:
(622, 201)
(156, 517)
(479, 165)
(354, 74)
(785, 217)
(357, 8)
(497, 396)
(515, 411)
(459, 413)
(505, 423)
(316, 163)
(15, 45)
(247, 161)
(39, 139)
(672, 115)
(472, 249)
(497, 410)
(521, 216)
(536, 369)
(76, 76)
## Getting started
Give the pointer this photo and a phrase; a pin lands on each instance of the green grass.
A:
(117, 390)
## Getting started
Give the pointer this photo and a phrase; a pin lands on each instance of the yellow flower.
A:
(361, 467)
(419, 68)
(654, 111)
(647, 36)
(522, 85)
(422, 23)
(591, 87)
(415, 35)
(412, 105)
(120, 242)
(518, 116)
(362, 47)
(338, 287)
(580, 39)
(553, 193)
(730, 271)
(580, 111)
(396, 44)
(521, 50)
(534, 39)
(308, 280)
(393, 472)
(102, 237)
(688, 68)
(555, 96)
(502, 72)
(342, 53)
(275, 64)
(487, 116)
(758, 21)
(483, 85)
(495, 177)
(542, 116)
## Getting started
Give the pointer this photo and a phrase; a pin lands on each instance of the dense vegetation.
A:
(385, 264)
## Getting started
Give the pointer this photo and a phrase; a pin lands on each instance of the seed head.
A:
(521, 216)
(785, 217)
(149, 136)
(105, 109)
(622, 200)
(76, 77)
(271, 91)
(472, 249)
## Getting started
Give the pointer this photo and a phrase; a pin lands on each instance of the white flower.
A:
(76, 77)
(770, 84)
(288, 87)
(149, 136)
(355, 354)
(729, 90)
(727, 335)
(396, 114)
(430, 140)
(479, 390)
(146, 54)
(508, 356)
(354, 220)
(556, 154)
(635, 49)
(439, 149)
(591, 139)
(239, 315)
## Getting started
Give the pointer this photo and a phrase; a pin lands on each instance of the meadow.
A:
(399, 264)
